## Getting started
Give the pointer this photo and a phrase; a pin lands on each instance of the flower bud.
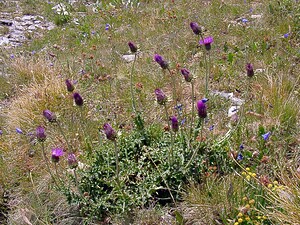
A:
(160, 96)
(174, 124)
(56, 153)
(250, 71)
(109, 132)
(50, 116)
(72, 161)
(132, 47)
(40, 134)
(195, 27)
(78, 99)
(70, 86)
(187, 76)
(161, 61)
(201, 107)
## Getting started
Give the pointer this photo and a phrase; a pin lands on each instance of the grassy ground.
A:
(260, 188)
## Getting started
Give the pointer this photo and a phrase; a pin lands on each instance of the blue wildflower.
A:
(239, 157)
(241, 146)
(266, 136)
(107, 26)
(19, 131)
(1, 132)
(204, 100)
(12, 56)
(244, 20)
(211, 127)
(286, 35)
(182, 122)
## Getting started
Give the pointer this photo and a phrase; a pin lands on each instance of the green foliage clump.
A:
(147, 173)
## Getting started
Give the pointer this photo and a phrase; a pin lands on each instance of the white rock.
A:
(233, 110)
(4, 41)
(256, 16)
(128, 58)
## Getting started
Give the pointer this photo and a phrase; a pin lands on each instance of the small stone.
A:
(32, 27)
(6, 22)
(256, 16)
(4, 41)
(128, 58)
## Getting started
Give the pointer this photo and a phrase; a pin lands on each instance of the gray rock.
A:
(32, 27)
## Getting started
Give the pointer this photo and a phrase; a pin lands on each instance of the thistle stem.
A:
(193, 109)
(173, 86)
(117, 163)
(172, 138)
(131, 85)
(47, 164)
(64, 136)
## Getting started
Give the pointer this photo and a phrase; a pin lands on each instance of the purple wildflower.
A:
(56, 153)
(72, 161)
(159, 59)
(109, 132)
(12, 56)
(266, 136)
(19, 131)
(40, 134)
(195, 27)
(207, 42)
(1, 132)
(50, 116)
(78, 99)
(132, 47)
(201, 107)
(211, 128)
(107, 26)
(241, 147)
(174, 123)
(286, 35)
(250, 71)
(70, 86)
(160, 96)
(187, 76)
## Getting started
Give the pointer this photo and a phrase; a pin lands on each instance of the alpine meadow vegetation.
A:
(153, 112)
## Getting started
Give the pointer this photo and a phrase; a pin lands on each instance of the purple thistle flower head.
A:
(56, 153)
(72, 161)
(266, 136)
(19, 131)
(160, 96)
(50, 116)
(250, 71)
(207, 42)
(201, 107)
(174, 123)
(187, 76)
(195, 27)
(78, 99)
(159, 59)
(133, 47)
(40, 134)
(70, 86)
(109, 132)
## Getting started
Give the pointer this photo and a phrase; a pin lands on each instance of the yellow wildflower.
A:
(252, 201)
(240, 220)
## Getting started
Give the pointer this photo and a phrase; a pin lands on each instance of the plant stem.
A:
(47, 164)
(173, 86)
(76, 180)
(193, 109)
(117, 163)
(201, 121)
(172, 138)
(131, 85)
(64, 136)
